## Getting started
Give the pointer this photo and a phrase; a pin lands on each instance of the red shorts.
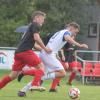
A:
(72, 64)
(25, 58)
(75, 64)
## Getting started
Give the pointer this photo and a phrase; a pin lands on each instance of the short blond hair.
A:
(73, 24)
(38, 13)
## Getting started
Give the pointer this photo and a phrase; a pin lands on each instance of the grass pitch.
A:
(10, 91)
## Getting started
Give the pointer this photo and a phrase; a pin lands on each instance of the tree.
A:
(13, 13)
(60, 12)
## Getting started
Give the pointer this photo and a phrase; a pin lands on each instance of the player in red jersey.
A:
(24, 54)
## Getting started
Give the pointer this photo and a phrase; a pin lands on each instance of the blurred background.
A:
(16, 13)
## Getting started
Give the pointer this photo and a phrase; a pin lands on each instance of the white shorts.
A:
(50, 61)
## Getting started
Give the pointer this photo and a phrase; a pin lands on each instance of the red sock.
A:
(5, 81)
(55, 83)
(37, 78)
(72, 76)
(29, 72)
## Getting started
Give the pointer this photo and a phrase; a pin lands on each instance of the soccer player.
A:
(52, 64)
(24, 54)
(71, 63)
(68, 61)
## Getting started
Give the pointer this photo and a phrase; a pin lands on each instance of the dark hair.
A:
(37, 13)
(73, 24)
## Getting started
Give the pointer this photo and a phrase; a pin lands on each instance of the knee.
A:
(63, 74)
(75, 70)
(13, 75)
(40, 66)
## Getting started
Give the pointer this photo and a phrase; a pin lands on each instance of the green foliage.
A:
(15, 13)
(60, 12)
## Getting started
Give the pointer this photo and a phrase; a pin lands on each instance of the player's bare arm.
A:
(72, 41)
(62, 54)
(37, 47)
(39, 41)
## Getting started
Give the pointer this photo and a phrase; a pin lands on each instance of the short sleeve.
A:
(65, 34)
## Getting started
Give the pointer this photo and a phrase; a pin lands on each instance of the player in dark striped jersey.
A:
(24, 55)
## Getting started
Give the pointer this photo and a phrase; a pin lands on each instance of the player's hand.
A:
(84, 46)
(63, 58)
(48, 50)
(66, 66)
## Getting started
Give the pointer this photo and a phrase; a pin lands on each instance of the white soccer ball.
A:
(74, 93)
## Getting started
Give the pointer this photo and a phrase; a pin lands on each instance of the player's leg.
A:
(17, 66)
(47, 76)
(65, 65)
(53, 65)
(56, 81)
(73, 67)
(50, 75)
(31, 59)
(57, 73)
(30, 71)
(8, 78)
(54, 84)
(27, 87)
(23, 91)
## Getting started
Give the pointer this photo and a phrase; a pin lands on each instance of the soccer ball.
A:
(74, 93)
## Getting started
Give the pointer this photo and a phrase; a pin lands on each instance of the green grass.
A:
(10, 91)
